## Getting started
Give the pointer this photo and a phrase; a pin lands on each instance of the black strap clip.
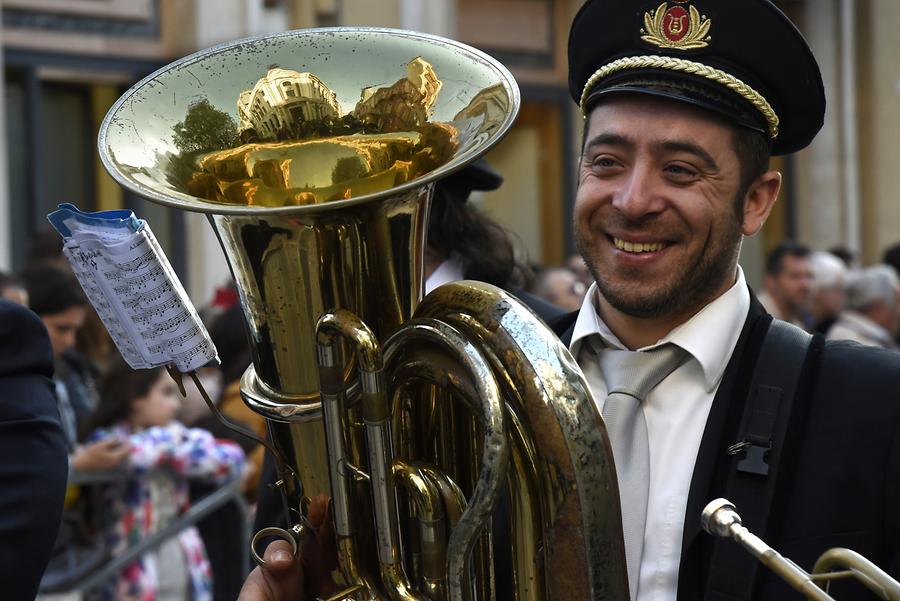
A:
(755, 458)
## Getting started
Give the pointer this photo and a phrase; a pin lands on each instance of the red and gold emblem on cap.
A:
(676, 27)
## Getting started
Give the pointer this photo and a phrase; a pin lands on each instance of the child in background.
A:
(138, 407)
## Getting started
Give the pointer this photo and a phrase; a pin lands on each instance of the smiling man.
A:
(684, 102)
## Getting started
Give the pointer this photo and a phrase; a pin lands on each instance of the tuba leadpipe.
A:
(313, 154)
(720, 518)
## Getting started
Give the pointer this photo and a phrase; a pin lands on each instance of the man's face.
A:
(63, 327)
(655, 213)
(792, 285)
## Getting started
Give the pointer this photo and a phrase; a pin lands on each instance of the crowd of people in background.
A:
(141, 451)
(829, 293)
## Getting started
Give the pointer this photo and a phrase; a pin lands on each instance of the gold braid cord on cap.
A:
(685, 66)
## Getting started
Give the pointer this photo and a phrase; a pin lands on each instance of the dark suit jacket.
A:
(34, 464)
(839, 480)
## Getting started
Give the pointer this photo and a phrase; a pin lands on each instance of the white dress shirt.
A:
(676, 412)
(450, 270)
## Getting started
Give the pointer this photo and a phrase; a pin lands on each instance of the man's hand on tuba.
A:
(281, 580)
(306, 576)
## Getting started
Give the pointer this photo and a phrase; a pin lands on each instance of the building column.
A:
(437, 17)
(879, 118)
(5, 207)
(819, 177)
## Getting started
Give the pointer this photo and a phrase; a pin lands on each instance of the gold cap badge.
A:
(676, 27)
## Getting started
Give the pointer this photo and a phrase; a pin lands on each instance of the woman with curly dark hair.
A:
(463, 243)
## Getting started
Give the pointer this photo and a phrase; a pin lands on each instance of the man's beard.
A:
(694, 286)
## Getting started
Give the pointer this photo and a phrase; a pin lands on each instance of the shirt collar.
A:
(450, 270)
(709, 336)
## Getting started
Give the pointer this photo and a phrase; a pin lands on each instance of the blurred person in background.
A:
(829, 296)
(872, 315)
(12, 289)
(559, 286)
(194, 411)
(92, 340)
(57, 298)
(33, 446)
(787, 284)
(847, 256)
(891, 257)
(462, 242)
(137, 409)
(224, 297)
(576, 263)
(465, 244)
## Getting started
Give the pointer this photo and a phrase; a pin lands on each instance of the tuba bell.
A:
(313, 154)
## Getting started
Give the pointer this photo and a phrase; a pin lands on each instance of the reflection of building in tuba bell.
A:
(281, 100)
(405, 104)
(483, 110)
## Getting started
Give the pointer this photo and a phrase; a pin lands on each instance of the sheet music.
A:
(134, 289)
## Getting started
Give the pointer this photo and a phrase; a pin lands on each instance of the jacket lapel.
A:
(712, 464)
(564, 326)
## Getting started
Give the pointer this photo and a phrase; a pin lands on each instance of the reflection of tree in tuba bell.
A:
(415, 416)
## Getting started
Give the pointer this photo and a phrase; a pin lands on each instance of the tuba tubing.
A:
(720, 518)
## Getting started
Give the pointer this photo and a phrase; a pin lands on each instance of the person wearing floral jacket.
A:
(137, 408)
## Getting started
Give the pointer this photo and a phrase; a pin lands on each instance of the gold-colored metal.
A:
(720, 518)
(313, 154)
(677, 27)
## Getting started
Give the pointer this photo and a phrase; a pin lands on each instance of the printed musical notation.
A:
(129, 281)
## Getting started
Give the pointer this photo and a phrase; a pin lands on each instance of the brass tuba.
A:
(313, 154)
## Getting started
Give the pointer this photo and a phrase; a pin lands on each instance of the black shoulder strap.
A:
(757, 454)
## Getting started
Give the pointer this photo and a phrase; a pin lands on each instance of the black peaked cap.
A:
(743, 59)
(477, 175)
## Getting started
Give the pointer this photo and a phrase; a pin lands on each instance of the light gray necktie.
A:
(630, 376)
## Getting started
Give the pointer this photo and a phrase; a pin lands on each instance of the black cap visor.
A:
(693, 91)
